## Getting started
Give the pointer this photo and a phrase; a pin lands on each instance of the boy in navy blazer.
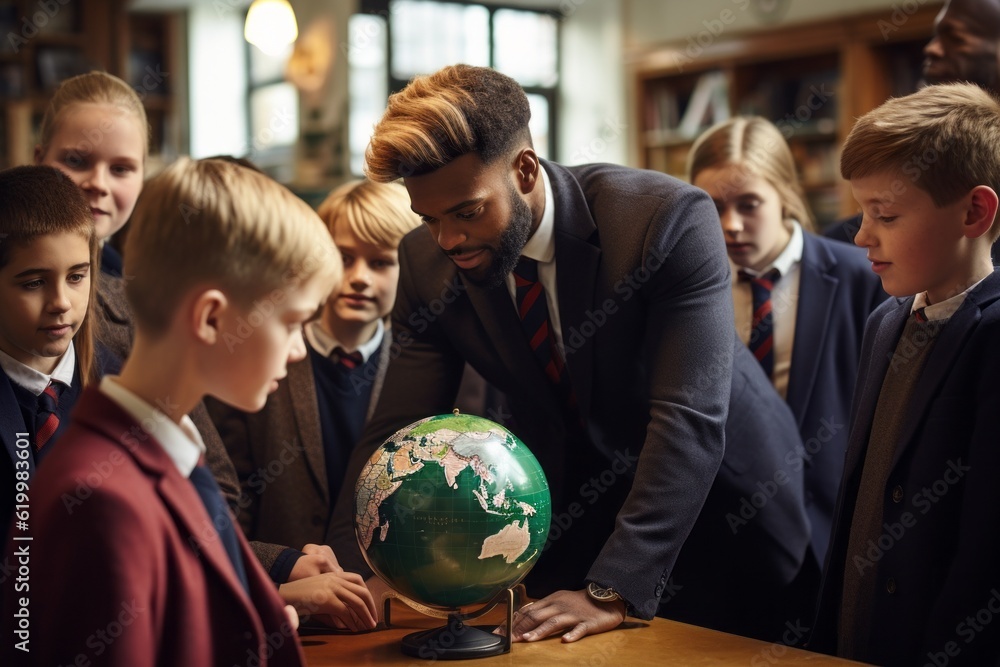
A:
(914, 565)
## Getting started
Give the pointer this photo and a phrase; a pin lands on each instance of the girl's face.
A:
(750, 210)
(102, 148)
(44, 292)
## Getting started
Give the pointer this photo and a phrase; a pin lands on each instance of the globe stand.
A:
(458, 640)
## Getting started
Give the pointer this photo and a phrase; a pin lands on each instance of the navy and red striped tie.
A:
(347, 360)
(47, 414)
(762, 328)
(533, 312)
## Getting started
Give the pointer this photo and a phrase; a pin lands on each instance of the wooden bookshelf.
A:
(812, 80)
(50, 45)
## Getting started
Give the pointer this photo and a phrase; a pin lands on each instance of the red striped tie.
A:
(349, 360)
(534, 314)
(762, 329)
(47, 414)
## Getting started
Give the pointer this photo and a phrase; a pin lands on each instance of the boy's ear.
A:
(982, 211)
(207, 312)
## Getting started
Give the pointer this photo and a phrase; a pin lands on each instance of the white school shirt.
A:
(36, 381)
(181, 442)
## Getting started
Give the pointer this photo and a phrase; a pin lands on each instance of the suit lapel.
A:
(577, 264)
(305, 409)
(817, 289)
(12, 423)
(194, 524)
(385, 354)
(496, 312)
(949, 344)
(883, 348)
(99, 413)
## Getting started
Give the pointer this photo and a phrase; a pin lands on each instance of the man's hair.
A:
(377, 213)
(437, 118)
(944, 139)
(214, 222)
(92, 88)
(38, 201)
(756, 146)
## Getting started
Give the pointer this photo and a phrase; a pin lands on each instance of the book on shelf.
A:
(709, 104)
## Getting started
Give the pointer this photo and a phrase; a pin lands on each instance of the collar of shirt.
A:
(323, 341)
(181, 442)
(36, 381)
(541, 247)
(945, 309)
(789, 257)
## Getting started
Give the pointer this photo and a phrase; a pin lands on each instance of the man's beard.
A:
(512, 241)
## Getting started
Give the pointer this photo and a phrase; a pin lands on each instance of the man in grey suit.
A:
(598, 299)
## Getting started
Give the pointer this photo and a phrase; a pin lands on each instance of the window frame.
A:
(551, 94)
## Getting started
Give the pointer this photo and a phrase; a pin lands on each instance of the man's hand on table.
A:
(573, 613)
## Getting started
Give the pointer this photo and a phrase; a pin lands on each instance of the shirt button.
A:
(317, 520)
(897, 494)
(890, 586)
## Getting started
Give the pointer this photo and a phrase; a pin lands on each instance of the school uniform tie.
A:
(347, 360)
(47, 414)
(211, 496)
(762, 329)
(533, 312)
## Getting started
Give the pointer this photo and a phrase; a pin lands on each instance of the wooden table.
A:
(636, 644)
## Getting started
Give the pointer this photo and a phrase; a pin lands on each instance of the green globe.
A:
(452, 510)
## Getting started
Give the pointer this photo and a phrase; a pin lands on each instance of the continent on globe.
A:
(510, 542)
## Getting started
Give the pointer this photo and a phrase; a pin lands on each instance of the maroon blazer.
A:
(125, 566)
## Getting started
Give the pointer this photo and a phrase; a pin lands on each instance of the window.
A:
(395, 40)
(273, 113)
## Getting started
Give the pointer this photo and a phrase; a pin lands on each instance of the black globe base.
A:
(455, 641)
(458, 640)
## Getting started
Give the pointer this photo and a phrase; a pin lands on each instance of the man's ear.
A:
(526, 165)
(208, 311)
(982, 211)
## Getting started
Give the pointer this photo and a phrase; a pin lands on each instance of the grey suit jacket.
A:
(646, 312)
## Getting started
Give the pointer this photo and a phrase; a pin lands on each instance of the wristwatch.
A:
(602, 594)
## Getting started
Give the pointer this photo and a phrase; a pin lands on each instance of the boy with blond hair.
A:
(227, 267)
(914, 565)
(323, 403)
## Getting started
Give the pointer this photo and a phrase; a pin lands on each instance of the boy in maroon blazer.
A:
(134, 558)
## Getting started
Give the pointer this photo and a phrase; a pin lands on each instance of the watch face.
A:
(602, 594)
